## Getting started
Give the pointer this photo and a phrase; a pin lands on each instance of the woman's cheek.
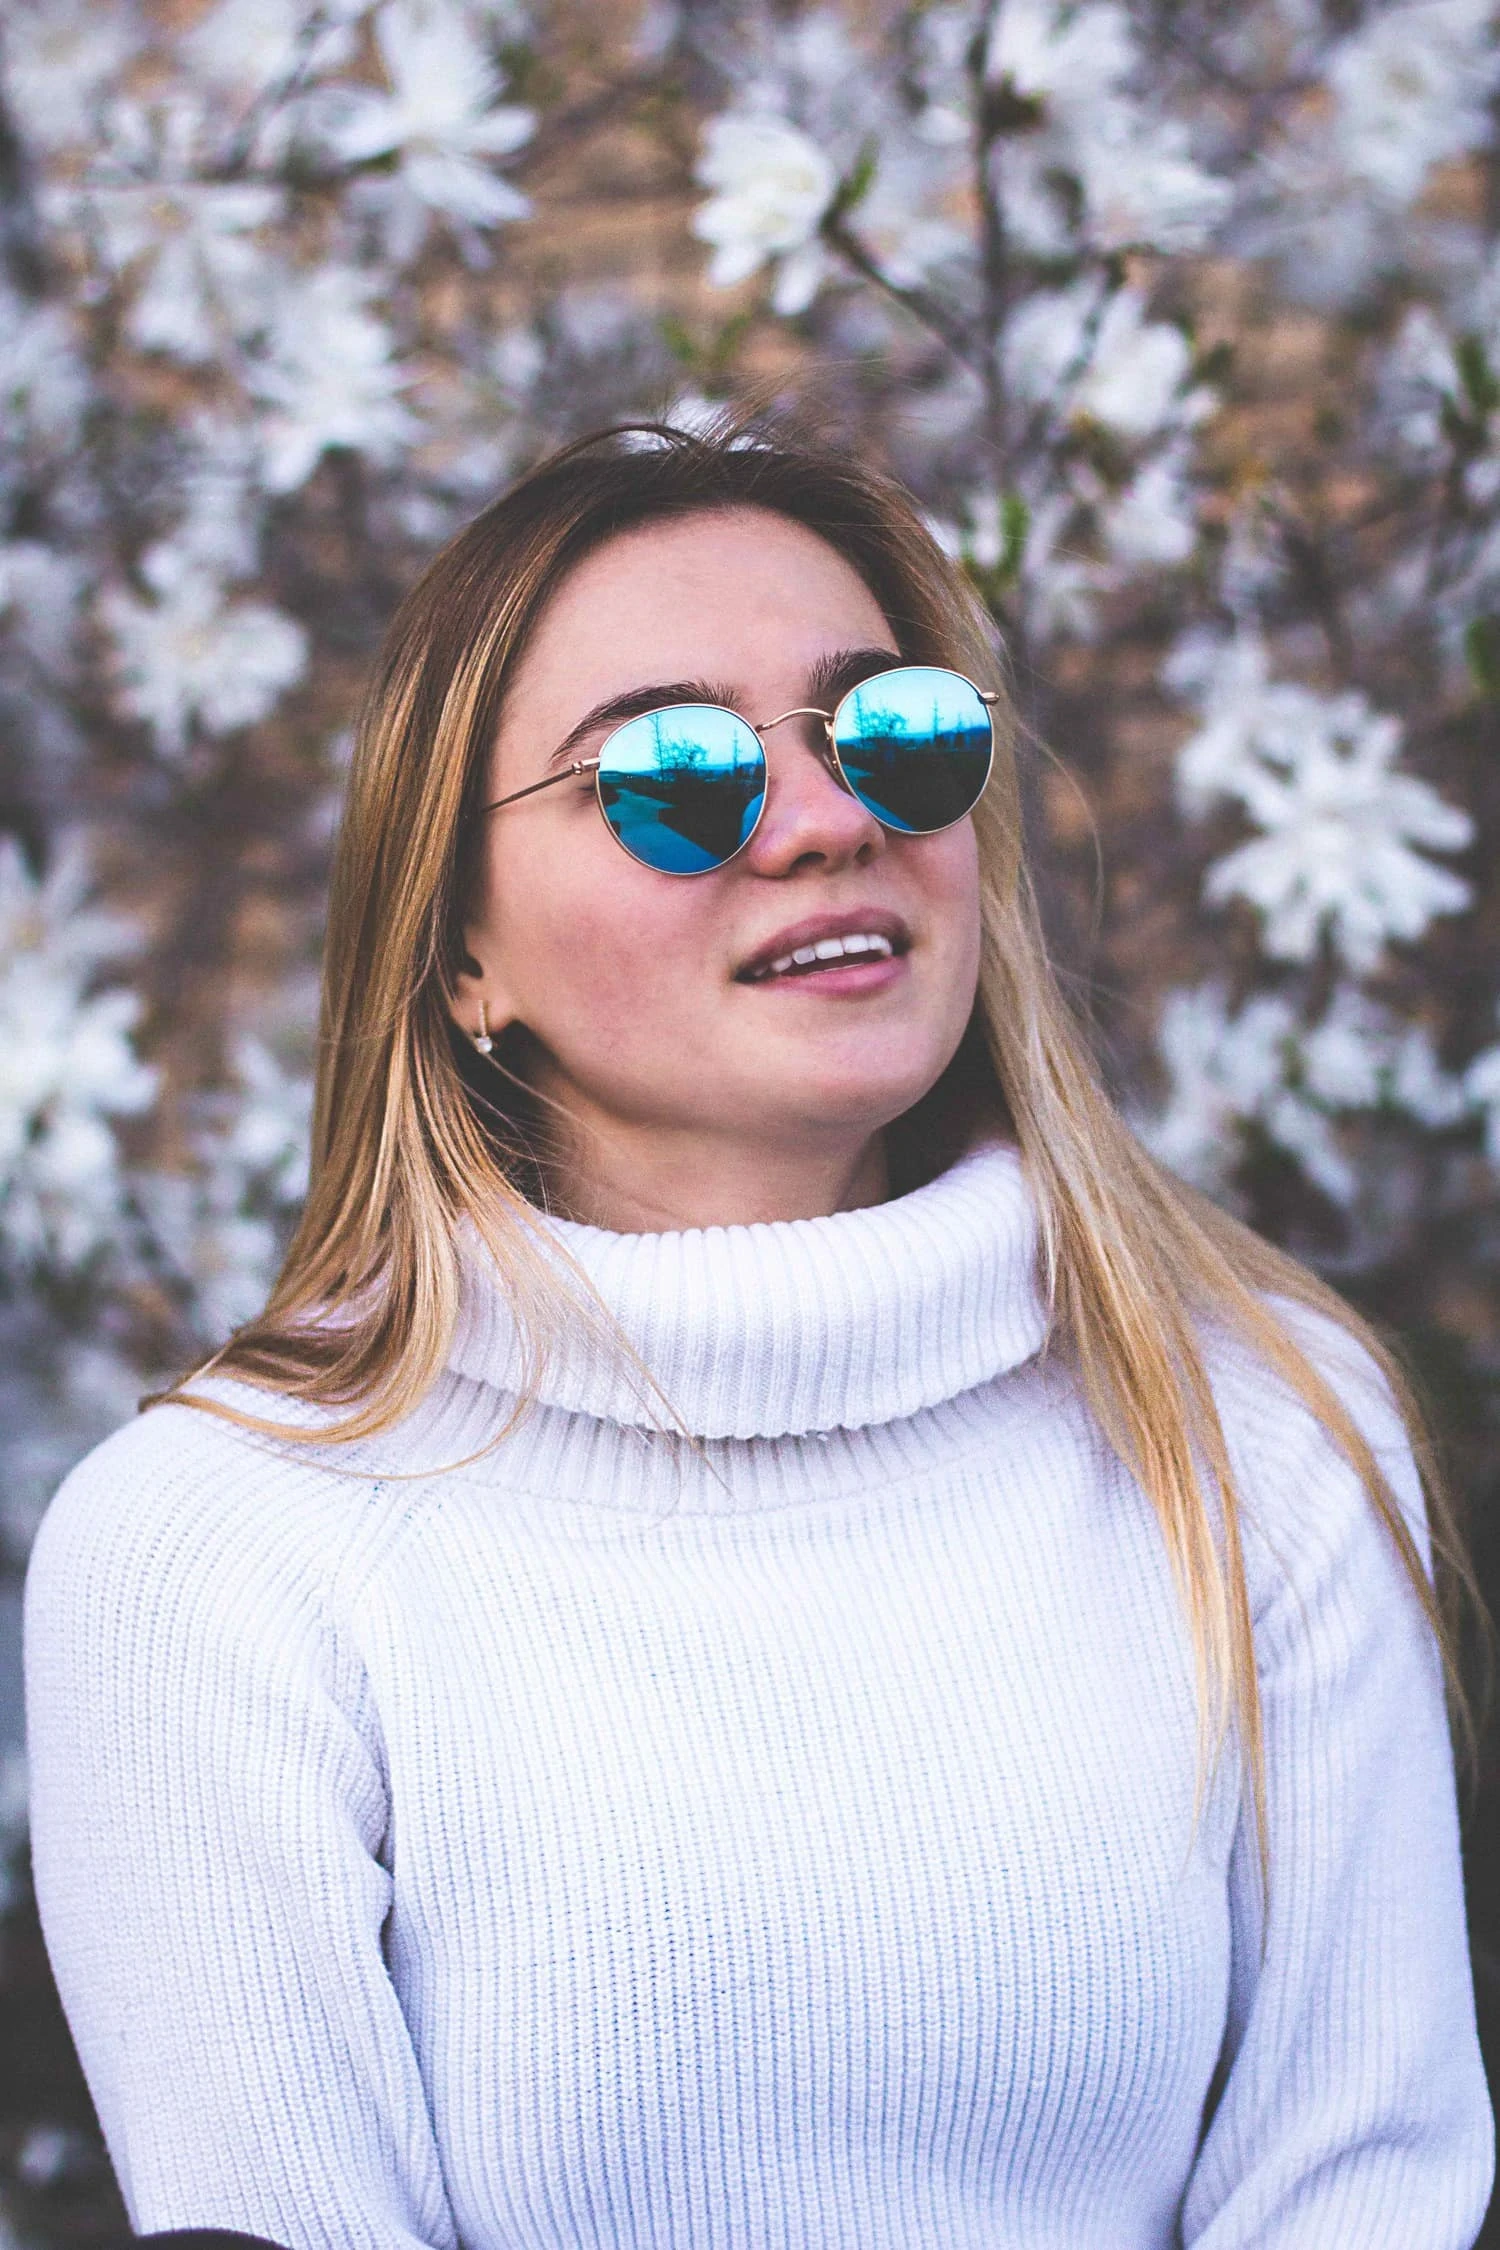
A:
(614, 986)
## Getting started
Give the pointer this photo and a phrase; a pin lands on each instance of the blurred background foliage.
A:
(1182, 322)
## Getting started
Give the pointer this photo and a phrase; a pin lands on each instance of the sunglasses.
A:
(682, 789)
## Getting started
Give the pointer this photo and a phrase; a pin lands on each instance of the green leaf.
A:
(1214, 363)
(708, 358)
(679, 341)
(1015, 523)
(855, 185)
(1482, 649)
(990, 586)
(1478, 379)
(724, 344)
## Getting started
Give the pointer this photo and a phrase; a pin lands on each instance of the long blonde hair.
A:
(407, 1145)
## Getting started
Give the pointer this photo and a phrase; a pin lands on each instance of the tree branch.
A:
(934, 315)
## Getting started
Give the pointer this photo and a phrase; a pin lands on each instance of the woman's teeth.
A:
(861, 945)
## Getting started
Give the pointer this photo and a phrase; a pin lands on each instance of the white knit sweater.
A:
(783, 1842)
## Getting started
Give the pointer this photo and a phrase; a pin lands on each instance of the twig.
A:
(920, 303)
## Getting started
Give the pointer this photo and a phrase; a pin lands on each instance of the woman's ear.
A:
(478, 1001)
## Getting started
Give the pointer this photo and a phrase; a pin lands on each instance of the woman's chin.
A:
(849, 1109)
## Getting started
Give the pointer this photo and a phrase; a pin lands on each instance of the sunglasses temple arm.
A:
(579, 765)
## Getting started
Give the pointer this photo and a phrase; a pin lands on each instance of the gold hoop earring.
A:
(482, 1040)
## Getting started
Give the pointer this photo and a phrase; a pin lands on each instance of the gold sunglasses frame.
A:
(987, 696)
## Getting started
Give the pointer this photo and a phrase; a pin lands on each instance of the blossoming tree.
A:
(1184, 325)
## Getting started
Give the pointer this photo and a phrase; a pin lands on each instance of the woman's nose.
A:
(810, 819)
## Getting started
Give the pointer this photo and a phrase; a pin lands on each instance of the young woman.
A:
(774, 1639)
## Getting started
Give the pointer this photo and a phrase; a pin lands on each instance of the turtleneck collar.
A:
(793, 1326)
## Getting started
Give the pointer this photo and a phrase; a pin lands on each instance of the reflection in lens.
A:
(682, 788)
(915, 744)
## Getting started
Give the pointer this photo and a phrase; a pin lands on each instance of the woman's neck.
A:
(649, 1181)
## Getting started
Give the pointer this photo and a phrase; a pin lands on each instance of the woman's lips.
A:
(826, 947)
(837, 979)
(855, 969)
(827, 955)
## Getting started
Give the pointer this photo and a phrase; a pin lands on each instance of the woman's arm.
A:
(1353, 2112)
(208, 1805)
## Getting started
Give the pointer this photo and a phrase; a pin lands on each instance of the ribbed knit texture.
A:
(783, 1842)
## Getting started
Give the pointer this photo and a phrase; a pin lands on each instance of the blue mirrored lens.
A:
(915, 745)
(682, 788)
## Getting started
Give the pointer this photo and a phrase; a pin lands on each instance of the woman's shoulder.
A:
(1262, 1409)
(1305, 1511)
(183, 1494)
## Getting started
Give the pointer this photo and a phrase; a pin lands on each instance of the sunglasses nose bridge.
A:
(799, 711)
(826, 748)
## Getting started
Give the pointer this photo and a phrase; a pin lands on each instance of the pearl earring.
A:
(482, 1040)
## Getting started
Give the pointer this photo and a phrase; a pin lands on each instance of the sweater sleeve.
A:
(1353, 2111)
(208, 1812)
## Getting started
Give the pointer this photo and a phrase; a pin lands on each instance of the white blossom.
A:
(1143, 190)
(1049, 339)
(1222, 1072)
(224, 1224)
(1140, 184)
(60, 58)
(1252, 565)
(43, 385)
(1059, 585)
(190, 655)
(897, 219)
(441, 119)
(266, 1140)
(1411, 89)
(1152, 524)
(1072, 58)
(1425, 404)
(327, 377)
(226, 1256)
(980, 538)
(1297, 1084)
(199, 273)
(49, 2155)
(247, 47)
(1328, 234)
(1418, 377)
(1338, 196)
(1337, 852)
(813, 110)
(1245, 714)
(220, 524)
(40, 592)
(1361, 1056)
(771, 187)
(59, 1395)
(1138, 371)
(1341, 1057)
(1343, 832)
(1416, 1082)
(1093, 352)
(67, 1064)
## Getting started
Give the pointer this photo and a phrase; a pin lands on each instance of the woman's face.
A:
(658, 1024)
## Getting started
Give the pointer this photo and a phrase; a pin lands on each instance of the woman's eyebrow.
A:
(833, 675)
(829, 678)
(656, 695)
